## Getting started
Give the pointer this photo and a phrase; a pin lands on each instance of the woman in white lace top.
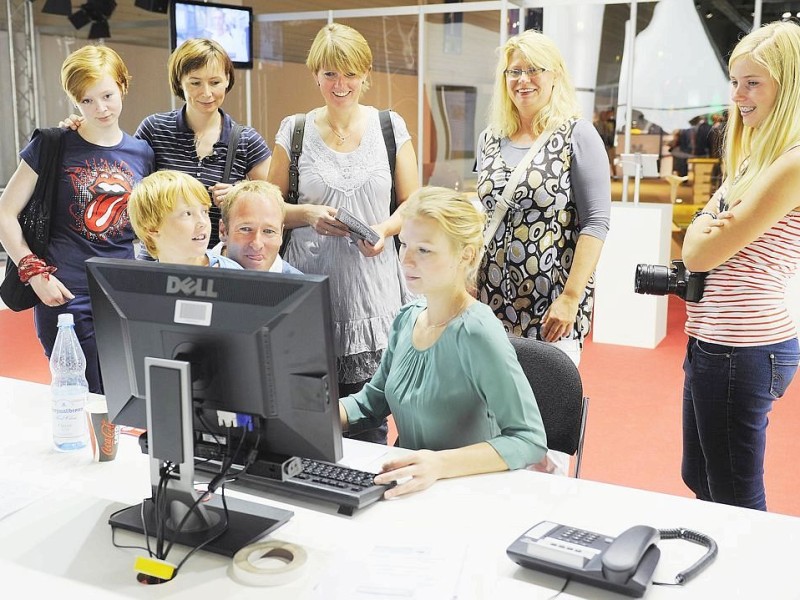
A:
(344, 164)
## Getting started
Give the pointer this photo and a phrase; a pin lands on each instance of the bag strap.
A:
(293, 193)
(294, 158)
(391, 150)
(50, 159)
(233, 143)
(506, 198)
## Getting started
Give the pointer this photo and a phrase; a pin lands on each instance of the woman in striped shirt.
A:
(743, 349)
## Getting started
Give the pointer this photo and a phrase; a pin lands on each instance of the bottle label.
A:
(69, 421)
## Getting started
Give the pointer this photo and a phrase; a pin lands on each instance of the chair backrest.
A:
(556, 383)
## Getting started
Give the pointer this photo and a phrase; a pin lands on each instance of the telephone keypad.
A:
(578, 536)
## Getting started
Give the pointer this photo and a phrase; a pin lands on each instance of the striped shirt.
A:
(172, 140)
(744, 299)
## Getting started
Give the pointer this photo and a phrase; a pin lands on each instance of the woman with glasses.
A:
(545, 235)
(344, 164)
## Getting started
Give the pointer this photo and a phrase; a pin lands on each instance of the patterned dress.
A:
(527, 263)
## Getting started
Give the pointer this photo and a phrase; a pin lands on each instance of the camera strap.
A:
(505, 201)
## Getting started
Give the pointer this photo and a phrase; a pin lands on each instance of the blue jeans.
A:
(727, 393)
(46, 320)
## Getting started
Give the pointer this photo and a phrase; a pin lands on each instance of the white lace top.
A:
(366, 293)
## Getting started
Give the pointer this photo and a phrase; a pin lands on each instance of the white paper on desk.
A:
(392, 573)
(18, 495)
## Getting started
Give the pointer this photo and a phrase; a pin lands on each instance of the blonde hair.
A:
(541, 52)
(155, 196)
(88, 65)
(264, 189)
(342, 48)
(195, 54)
(776, 47)
(460, 220)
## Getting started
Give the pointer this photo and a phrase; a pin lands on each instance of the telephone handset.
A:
(624, 564)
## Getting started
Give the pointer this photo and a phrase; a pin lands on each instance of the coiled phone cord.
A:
(703, 561)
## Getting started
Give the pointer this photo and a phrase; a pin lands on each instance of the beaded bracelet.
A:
(31, 265)
(700, 213)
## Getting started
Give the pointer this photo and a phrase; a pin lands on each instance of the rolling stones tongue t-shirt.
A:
(90, 216)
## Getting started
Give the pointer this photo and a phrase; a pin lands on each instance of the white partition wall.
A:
(640, 234)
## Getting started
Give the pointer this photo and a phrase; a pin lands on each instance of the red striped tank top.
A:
(744, 299)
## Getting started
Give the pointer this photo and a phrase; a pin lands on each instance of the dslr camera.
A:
(659, 280)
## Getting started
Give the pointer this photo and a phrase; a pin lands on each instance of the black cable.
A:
(222, 530)
(144, 527)
(114, 531)
(561, 591)
(216, 481)
(162, 510)
(700, 565)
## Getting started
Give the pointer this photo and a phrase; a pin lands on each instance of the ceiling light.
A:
(99, 30)
(80, 18)
(101, 8)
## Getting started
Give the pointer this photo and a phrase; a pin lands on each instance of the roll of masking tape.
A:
(269, 563)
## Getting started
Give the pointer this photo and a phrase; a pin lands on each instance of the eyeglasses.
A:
(517, 73)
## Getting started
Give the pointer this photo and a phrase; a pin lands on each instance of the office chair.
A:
(558, 389)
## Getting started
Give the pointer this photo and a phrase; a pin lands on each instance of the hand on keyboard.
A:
(319, 480)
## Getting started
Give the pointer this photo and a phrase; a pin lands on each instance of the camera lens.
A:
(652, 279)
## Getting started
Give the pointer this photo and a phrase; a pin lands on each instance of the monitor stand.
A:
(186, 517)
(247, 522)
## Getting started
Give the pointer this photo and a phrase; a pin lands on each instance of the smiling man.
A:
(251, 227)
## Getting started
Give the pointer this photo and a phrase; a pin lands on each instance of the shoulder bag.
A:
(35, 218)
(505, 201)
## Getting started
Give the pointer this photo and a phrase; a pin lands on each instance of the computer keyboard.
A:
(329, 482)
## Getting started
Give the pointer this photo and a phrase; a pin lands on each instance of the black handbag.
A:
(35, 218)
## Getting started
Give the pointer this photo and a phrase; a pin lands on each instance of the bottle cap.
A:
(65, 319)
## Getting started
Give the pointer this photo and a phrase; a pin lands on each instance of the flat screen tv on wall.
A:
(230, 26)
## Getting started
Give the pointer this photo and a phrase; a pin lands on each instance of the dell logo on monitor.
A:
(189, 286)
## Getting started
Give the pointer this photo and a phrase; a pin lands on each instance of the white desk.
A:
(60, 546)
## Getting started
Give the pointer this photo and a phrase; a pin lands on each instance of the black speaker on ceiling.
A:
(158, 6)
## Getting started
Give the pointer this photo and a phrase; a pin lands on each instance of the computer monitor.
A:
(186, 351)
(259, 344)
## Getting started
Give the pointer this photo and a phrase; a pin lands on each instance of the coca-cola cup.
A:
(103, 434)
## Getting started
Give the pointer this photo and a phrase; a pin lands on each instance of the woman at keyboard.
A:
(450, 376)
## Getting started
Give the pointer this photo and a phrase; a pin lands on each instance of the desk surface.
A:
(61, 543)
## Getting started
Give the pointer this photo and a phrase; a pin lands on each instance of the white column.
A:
(639, 234)
(577, 30)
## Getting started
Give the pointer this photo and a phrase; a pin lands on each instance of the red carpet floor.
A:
(634, 425)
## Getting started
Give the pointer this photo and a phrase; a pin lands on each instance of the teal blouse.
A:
(465, 389)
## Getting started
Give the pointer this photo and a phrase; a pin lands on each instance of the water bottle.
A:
(69, 389)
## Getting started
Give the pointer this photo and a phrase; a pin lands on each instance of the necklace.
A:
(453, 316)
(341, 137)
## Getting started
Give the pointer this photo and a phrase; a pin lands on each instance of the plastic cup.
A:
(103, 434)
